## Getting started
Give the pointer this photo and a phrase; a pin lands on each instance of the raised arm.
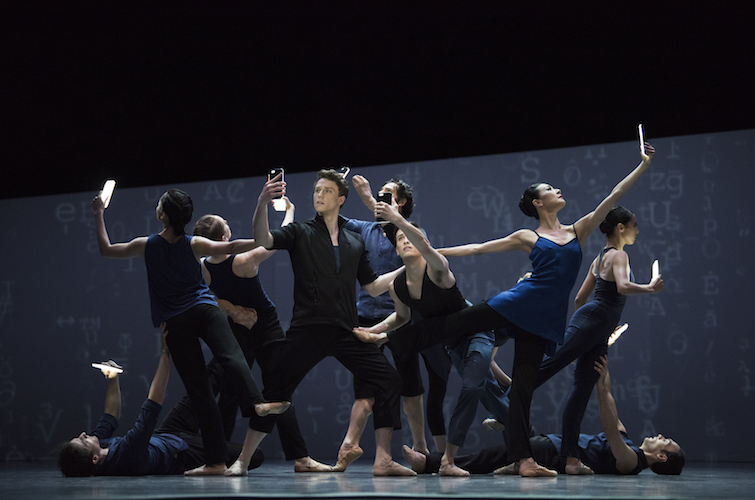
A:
(620, 268)
(362, 187)
(587, 224)
(626, 458)
(249, 261)
(440, 271)
(588, 285)
(113, 394)
(160, 380)
(522, 239)
(133, 248)
(274, 188)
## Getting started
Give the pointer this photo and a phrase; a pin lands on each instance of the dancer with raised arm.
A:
(180, 298)
(586, 338)
(536, 307)
(429, 287)
(327, 261)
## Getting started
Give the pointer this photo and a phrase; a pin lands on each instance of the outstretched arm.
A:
(133, 248)
(587, 224)
(626, 459)
(381, 284)
(160, 381)
(522, 239)
(274, 188)
(401, 316)
(249, 261)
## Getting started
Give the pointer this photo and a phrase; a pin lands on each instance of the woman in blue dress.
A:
(535, 308)
(593, 323)
(180, 298)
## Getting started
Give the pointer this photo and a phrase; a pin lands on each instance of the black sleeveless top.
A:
(435, 301)
(247, 292)
(606, 293)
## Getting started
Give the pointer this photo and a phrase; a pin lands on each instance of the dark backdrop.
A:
(683, 367)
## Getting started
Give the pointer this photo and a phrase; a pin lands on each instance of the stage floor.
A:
(42, 480)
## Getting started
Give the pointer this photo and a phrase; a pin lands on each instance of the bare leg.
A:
(415, 413)
(384, 464)
(447, 466)
(251, 442)
(416, 460)
(529, 468)
(575, 467)
(350, 450)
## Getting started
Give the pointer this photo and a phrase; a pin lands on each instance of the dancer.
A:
(610, 452)
(536, 307)
(171, 449)
(429, 287)
(371, 310)
(180, 299)
(254, 321)
(593, 323)
(327, 260)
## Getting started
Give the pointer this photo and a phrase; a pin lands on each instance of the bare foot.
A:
(425, 451)
(346, 456)
(391, 469)
(452, 470)
(263, 409)
(416, 459)
(308, 464)
(207, 470)
(508, 470)
(237, 469)
(529, 468)
(575, 467)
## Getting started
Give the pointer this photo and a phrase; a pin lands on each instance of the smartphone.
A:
(385, 197)
(107, 191)
(656, 270)
(641, 132)
(278, 204)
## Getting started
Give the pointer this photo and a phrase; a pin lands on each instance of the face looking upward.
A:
(658, 444)
(550, 198)
(87, 442)
(325, 197)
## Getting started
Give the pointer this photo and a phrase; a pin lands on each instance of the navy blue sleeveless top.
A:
(539, 304)
(175, 278)
(247, 292)
(434, 301)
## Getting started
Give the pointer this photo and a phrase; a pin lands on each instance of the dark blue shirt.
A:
(383, 259)
(175, 278)
(596, 453)
(139, 452)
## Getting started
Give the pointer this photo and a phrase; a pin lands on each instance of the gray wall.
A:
(682, 369)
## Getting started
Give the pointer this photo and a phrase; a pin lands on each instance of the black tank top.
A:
(606, 293)
(247, 292)
(435, 301)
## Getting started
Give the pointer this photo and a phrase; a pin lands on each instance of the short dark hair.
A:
(403, 192)
(210, 226)
(525, 202)
(179, 208)
(673, 465)
(618, 214)
(74, 461)
(340, 180)
(391, 230)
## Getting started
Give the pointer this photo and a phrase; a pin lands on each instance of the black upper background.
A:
(163, 92)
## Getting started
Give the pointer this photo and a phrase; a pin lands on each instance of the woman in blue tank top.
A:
(593, 323)
(535, 308)
(180, 299)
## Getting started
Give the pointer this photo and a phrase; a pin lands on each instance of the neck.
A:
(615, 242)
(415, 266)
(549, 221)
(331, 220)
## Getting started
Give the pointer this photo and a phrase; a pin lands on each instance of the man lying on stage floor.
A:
(610, 452)
(171, 449)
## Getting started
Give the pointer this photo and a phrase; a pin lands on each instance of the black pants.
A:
(208, 323)
(304, 348)
(292, 441)
(528, 353)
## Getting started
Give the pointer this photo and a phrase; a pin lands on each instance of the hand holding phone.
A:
(107, 192)
(384, 197)
(279, 204)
